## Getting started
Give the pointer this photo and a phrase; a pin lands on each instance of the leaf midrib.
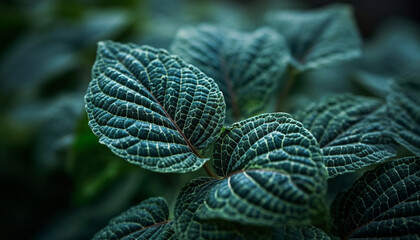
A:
(154, 98)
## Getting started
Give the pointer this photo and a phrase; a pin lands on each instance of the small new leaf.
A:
(403, 105)
(383, 203)
(148, 220)
(152, 108)
(320, 37)
(352, 131)
(246, 66)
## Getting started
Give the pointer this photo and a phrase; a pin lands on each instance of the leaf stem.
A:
(209, 171)
(292, 73)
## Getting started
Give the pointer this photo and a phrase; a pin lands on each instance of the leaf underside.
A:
(403, 105)
(318, 38)
(383, 203)
(273, 173)
(245, 66)
(152, 108)
(352, 131)
(147, 220)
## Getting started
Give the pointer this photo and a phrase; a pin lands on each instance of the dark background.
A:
(56, 180)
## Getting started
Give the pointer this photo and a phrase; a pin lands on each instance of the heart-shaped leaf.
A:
(320, 37)
(273, 173)
(383, 203)
(403, 105)
(352, 132)
(152, 108)
(246, 66)
(147, 220)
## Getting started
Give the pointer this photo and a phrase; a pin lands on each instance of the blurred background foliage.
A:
(57, 181)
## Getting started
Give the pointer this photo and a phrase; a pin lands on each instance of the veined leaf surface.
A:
(320, 37)
(273, 173)
(152, 108)
(246, 66)
(383, 204)
(352, 132)
(189, 226)
(403, 105)
(147, 220)
(305, 232)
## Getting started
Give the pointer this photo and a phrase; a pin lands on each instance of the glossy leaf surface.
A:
(319, 37)
(246, 66)
(152, 108)
(352, 132)
(403, 105)
(148, 220)
(273, 173)
(382, 204)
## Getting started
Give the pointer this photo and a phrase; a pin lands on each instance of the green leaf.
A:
(306, 232)
(318, 38)
(273, 173)
(246, 66)
(188, 225)
(147, 220)
(152, 108)
(383, 203)
(403, 105)
(352, 132)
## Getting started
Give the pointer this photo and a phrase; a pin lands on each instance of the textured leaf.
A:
(273, 173)
(148, 220)
(403, 104)
(352, 132)
(246, 66)
(306, 232)
(320, 37)
(383, 203)
(189, 226)
(152, 108)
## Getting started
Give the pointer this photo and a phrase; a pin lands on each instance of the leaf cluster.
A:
(206, 102)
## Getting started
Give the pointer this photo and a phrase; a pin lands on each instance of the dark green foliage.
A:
(244, 65)
(151, 108)
(403, 103)
(318, 38)
(383, 203)
(267, 173)
(148, 220)
(352, 132)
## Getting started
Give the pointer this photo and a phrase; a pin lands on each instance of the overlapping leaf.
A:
(147, 220)
(273, 173)
(188, 225)
(352, 132)
(246, 66)
(403, 105)
(320, 37)
(152, 108)
(383, 203)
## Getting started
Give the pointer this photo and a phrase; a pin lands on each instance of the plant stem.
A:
(209, 171)
(293, 72)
